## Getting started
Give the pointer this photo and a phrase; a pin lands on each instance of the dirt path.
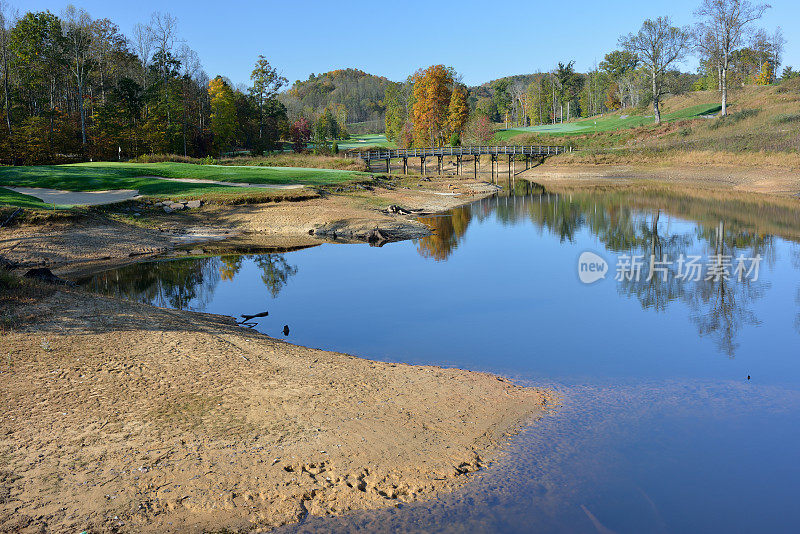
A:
(123, 417)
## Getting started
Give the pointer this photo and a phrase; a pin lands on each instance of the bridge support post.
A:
(458, 165)
(475, 163)
(405, 165)
(388, 167)
(422, 165)
(509, 165)
(439, 164)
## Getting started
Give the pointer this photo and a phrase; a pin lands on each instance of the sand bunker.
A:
(77, 198)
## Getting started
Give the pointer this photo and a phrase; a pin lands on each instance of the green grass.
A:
(607, 124)
(143, 177)
(12, 198)
(366, 141)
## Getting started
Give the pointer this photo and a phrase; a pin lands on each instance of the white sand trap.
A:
(77, 198)
(233, 184)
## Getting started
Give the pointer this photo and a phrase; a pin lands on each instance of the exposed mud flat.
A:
(79, 242)
(123, 417)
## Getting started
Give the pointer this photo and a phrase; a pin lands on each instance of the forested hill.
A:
(359, 94)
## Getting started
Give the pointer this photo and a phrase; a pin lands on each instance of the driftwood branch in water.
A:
(248, 317)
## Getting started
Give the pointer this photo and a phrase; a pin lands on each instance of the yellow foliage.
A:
(223, 113)
(765, 76)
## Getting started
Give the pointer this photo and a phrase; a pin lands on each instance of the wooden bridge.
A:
(494, 153)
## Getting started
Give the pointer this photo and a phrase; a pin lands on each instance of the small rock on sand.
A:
(193, 204)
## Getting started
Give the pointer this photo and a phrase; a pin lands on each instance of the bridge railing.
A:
(535, 150)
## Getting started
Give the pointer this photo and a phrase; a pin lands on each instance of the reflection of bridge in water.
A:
(475, 152)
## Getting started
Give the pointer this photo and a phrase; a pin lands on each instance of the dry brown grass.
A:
(761, 121)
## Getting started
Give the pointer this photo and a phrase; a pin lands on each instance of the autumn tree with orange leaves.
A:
(433, 88)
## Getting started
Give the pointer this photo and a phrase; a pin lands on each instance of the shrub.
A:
(733, 118)
(787, 118)
(7, 280)
(161, 158)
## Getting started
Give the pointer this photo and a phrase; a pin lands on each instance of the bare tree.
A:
(658, 45)
(777, 42)
(190, 67)
(76, 27)
(164, 29)
(723, 29)
(142, 44)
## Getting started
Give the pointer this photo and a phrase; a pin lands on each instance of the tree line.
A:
(75, 88)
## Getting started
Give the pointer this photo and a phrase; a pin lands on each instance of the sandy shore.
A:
(767, 180)
(121, 415)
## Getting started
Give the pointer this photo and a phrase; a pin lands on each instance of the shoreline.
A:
(776, 181)
(173, 420)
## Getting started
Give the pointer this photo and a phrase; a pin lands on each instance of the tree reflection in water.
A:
(447, 230)
(627, 223)
(639, 222)
(187, 283)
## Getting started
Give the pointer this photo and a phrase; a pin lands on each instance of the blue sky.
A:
(481, 40)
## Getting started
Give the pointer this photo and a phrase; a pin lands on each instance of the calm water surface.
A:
(661, 429)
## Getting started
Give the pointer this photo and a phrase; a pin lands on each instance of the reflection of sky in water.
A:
(661, 431)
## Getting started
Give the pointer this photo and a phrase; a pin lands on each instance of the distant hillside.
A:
(359, 93)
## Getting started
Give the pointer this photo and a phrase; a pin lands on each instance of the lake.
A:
(679, 364)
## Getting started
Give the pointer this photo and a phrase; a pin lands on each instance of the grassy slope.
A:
(366, 141)
(141, 176)
(610, 122)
